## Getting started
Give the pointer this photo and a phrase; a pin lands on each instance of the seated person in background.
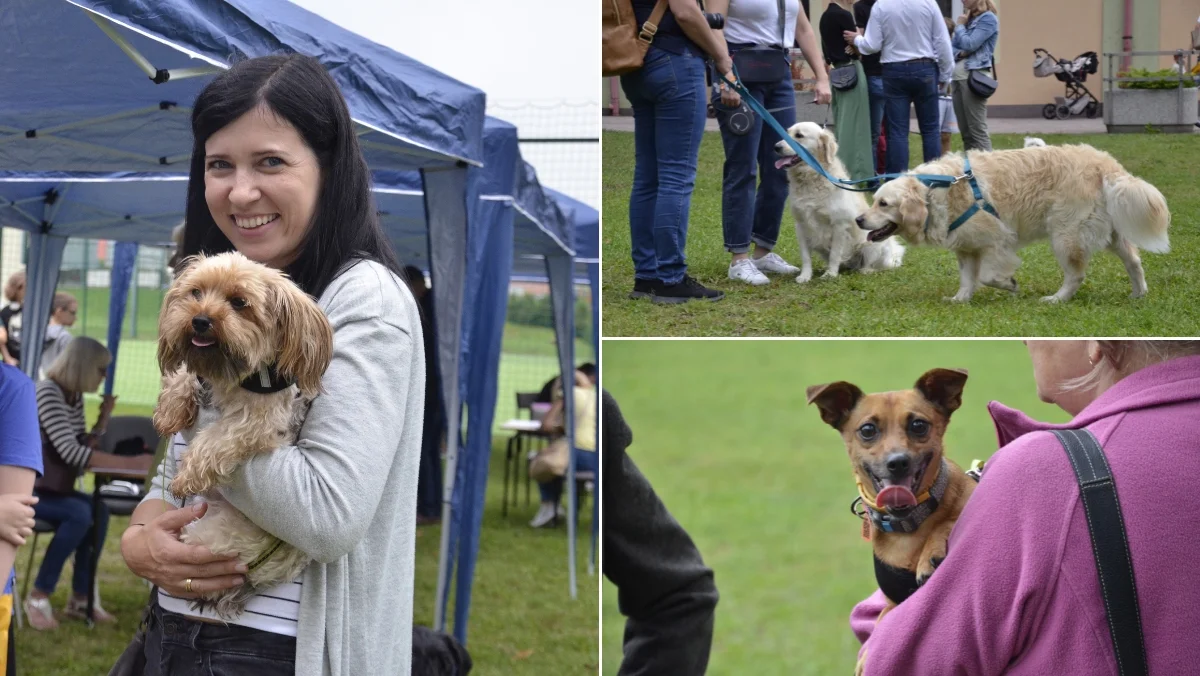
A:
(20, 464)
(67, 451)
(550, 464)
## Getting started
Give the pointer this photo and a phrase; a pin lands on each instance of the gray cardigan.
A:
(346, 493)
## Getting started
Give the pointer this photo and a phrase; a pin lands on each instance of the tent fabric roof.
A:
(101, 112)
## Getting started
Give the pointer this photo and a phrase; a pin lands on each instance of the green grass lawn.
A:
(910, 301)
(522, 619)
(722, 431)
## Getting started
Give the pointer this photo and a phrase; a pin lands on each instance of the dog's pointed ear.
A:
(835, 400)
(913, 211)
(828, 146)
(943, 388)
(306, 338)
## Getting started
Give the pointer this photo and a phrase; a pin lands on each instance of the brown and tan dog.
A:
(911, 493)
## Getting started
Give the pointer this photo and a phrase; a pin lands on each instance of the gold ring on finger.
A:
(187, 585)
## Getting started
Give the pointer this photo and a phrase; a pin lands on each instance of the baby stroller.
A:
(1077, 100)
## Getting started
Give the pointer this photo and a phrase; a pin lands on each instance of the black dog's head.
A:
(438, 654)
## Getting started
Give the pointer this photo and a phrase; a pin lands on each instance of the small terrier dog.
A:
(242, 350)
(911, 493)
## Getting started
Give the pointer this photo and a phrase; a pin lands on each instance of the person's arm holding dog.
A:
(663, 586)
(988, 595)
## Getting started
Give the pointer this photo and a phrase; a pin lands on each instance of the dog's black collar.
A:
(913, 518)
(266, 381)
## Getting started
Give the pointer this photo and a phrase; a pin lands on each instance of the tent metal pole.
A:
(111, 31)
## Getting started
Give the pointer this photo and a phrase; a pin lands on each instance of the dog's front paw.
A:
(830, 274)
(804, 277)
(959, 297)
(926, 568)
(1051, 299)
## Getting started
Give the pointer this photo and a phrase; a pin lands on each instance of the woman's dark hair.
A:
(299, 90)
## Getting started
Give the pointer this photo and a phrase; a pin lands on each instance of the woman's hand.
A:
(849, 36)
(963, 18)
(821, 93)
(724, 65)
(16, 517)
(154, 552)
(107, 403)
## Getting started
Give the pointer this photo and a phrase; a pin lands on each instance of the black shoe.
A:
(688, 289)
(642, 288)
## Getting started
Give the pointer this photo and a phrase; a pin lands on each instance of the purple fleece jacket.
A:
(1018, 592)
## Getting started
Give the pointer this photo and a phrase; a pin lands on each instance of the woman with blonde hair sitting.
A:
(67, 451)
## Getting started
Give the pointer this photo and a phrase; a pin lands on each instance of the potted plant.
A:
(1160, 99)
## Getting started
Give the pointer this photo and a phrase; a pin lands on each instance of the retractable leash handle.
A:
(931, 180)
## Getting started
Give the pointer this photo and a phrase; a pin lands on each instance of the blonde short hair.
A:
(1119, 358)
(79, 367)
(15, 282)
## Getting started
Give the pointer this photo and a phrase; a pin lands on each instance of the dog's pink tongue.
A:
(202, 342)
(780, 164)
(894, 497)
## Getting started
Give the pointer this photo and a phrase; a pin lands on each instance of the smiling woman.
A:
(277, 175)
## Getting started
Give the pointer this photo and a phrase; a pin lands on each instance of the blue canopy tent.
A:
(513, 220)
(118, 101)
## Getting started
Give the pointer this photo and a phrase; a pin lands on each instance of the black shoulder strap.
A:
(1109, 544)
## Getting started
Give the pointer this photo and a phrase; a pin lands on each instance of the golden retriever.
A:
(825, 214)
(1078, 197)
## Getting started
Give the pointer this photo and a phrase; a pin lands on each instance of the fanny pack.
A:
(844, 78)
(760, 65)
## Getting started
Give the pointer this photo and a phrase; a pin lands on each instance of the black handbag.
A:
(844, 78)
(132, 662)
(981, 85)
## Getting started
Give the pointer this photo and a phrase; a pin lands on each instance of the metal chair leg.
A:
(508, 451)
(29, 568)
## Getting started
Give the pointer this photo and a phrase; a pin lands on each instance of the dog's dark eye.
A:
(868, 432)
(237, 303)
(918, 427)
(883, 203)
(196, 294)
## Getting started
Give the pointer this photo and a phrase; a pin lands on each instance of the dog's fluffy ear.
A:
(827, 147)
(835, 400)
(170, 351)
(913, 211)
(943, 388)
(306, 337)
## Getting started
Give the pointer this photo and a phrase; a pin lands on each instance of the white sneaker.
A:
(544, 516)
(773, 262)
(744, 271)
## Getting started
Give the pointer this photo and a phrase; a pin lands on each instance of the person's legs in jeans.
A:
(895, 106)
(739, 178)
(72, 517)
(644, 195)
(680, 112)
(924, 92)
(773, 184)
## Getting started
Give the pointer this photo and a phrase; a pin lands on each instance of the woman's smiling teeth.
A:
(252, 222)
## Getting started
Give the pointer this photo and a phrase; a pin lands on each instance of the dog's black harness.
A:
(266, 381)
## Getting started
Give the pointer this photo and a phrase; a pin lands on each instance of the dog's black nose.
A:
(201, 323)
(898, 464)
(859, 220)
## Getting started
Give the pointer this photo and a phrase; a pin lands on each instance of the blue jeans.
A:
(914, 82)
(667, 95)
(748, 215)
(585, 461)
(875, 94)
(178, 646)
(72, 516)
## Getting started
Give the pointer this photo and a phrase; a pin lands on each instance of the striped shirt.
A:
(63, 423)
(274, 609)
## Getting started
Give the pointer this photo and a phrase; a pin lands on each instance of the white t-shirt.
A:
(757, 22)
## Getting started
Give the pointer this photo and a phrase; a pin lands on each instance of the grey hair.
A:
(1119, 358)
(77, 369)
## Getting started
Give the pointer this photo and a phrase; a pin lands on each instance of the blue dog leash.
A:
(930, 180)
